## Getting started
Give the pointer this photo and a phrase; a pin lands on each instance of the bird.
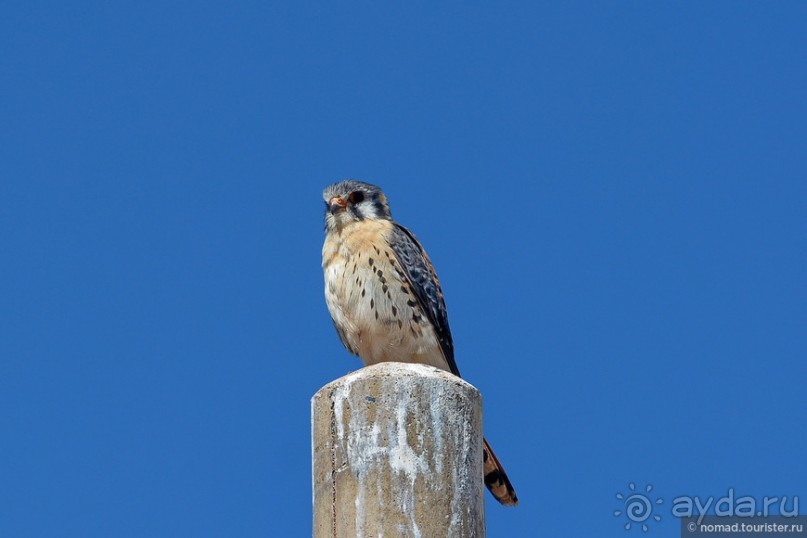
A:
(384, 296)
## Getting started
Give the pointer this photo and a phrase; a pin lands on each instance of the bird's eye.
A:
(356, 197)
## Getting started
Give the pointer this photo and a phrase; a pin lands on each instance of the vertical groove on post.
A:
(333, 467)
(397, 451)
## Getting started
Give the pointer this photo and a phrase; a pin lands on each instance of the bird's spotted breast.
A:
(371, 301)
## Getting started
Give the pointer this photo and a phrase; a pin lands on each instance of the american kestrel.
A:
(384, 296)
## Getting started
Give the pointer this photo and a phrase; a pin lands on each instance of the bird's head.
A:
(351, 201)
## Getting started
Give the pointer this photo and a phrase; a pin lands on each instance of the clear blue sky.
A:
(614, 195)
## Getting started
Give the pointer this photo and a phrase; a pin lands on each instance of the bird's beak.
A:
(336, 204)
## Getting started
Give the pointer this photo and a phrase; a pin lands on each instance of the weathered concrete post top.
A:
(397, 451)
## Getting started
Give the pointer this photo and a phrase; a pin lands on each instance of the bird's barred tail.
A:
(496, 479)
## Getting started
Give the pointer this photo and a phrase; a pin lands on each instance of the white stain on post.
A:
(397, 451)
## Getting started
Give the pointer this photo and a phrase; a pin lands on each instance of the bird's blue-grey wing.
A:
(426, 287)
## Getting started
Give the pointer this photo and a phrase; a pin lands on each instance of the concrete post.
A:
(397, 451)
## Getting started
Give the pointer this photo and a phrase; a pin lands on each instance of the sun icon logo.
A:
(638, 507)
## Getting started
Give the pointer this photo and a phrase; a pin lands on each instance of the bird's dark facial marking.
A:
(358, 215)
(356, 197)
(379, 208)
